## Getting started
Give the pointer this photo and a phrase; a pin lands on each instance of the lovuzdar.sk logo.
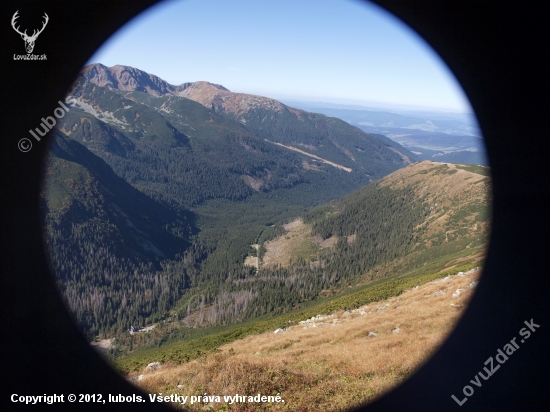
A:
(29, 40)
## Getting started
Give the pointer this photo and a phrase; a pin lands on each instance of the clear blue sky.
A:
(342, 51)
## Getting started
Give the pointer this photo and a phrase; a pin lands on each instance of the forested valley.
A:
(151, 205)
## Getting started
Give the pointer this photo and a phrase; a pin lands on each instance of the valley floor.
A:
(329, 362)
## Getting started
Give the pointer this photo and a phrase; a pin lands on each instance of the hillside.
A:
(182, 154)
(146, 163)
(327, 137)
(417, 213)
(425, 216)
(332, 360)
(82, 187)
(107, 241)
(161, 227)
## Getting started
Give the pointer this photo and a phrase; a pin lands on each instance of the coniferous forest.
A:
(151, 204)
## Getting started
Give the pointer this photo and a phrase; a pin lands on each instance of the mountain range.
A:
(323, 136)
(154, 192)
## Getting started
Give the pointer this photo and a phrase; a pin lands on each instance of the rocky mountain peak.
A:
(210, 95)
(130, 79)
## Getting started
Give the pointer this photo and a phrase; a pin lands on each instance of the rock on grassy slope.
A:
(332, 362)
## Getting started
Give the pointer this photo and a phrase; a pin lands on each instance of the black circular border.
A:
(497, 51)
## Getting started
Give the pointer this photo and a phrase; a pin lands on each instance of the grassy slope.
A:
(455, 197)
(328, 363)
(454, 230)
(350, 299)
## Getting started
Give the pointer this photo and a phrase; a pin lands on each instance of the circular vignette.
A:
(502, 302)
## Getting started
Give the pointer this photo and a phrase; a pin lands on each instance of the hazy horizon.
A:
(318, 100)
(342, 52)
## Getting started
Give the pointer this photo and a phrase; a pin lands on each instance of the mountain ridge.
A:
(132, 79)
(318, 134)
(239, 179)
(433, 206)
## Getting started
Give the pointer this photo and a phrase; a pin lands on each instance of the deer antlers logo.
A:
(29, 40)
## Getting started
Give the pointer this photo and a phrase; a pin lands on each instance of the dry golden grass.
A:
(296, 242)
(446, 188)
(250, 261)
(444, 191)
(333, 365)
